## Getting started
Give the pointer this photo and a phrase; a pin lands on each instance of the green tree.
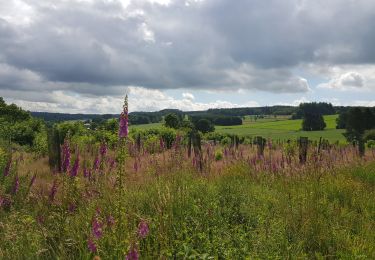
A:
(204, 126)
(358, 121)
(313, 122)
(172, 121)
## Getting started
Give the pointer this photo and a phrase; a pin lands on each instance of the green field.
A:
(275, 128)
(283, 128)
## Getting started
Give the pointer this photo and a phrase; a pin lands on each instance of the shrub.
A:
(226, 140)
(218, 155)
(371, 144)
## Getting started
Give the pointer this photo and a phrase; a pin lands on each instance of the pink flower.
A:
(91, 245)
(74, 170)
(16, 185)
(66, 156)
(123, 130)
(124, 120)
(97, 228)
(143, 229)
(96, 163)
(103, 149)
(133, 254)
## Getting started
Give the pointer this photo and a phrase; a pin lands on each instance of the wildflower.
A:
(123, 128)
(16, 185)
(110, 220)
(143, 229)
(32, 180)
(133, 254)
(5, 202)
(91, 245)
(53, 191)
(97, 228)
(103, 150)
(8, 167)
(74, 170)
(66, 156)
(96, 163)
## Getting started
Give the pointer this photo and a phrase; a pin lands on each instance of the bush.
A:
(369, 135)
(313, 122)
(371, 144)
(40, 146)
(218, 155)
(226, 141)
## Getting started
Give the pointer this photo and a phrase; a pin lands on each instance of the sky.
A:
(83, 56)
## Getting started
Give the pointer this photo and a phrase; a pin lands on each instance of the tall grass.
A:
(242, 206)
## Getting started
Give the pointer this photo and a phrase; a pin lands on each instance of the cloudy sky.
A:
(83, 55)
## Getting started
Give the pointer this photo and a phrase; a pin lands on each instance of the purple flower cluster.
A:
(132, 254)
(96, 163)
(16, 185)
(91, 245)
(66, 154)
(97, 228)
(5, 202)
(143, 229)
(124, 120)
(74, 169)
(103, 150)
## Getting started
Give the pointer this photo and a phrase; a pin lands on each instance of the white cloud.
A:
(140, 99)
(364, 103)
(188, 96)
(349, 80)
(84, 50)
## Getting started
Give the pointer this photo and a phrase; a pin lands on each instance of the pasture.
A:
(275, 128)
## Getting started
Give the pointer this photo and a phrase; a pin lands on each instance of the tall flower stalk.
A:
(124, 120)
(121, 158)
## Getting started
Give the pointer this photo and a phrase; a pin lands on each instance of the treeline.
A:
(319, 108)
(59, 117)
(219, 116)
(18, 126)
(244, 111)
(224, 116)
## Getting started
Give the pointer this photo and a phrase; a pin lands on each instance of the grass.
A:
(232, 215)
(239, 207)
(279, 128)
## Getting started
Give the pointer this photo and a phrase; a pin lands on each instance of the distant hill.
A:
(155, 117)
(58, 117)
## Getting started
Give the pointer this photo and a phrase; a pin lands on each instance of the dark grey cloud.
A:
(96, 47)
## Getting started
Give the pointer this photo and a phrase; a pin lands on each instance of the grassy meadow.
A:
(225, 202)
(276, 128)
(283, 129)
